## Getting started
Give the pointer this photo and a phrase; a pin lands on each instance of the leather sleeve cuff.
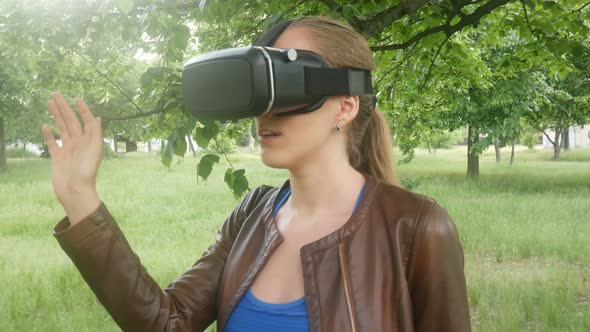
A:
(69, 236)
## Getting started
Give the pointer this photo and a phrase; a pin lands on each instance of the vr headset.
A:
(236, 83)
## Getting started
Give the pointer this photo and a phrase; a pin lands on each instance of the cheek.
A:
(296, 145)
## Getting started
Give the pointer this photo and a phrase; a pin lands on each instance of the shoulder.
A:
(260, 197)
(420, 215)
(257, 196)
(400, 202)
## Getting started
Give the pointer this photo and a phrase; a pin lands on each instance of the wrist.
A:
(81, 205)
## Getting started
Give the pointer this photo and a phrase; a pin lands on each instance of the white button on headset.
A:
(292, 54)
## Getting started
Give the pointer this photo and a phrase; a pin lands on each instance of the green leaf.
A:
(190, 125)
(171, 103)
(240, 183)
(204, 134)
(166, 155)
(181, 36)
(229, 177)
(175, 145)
(179, 142)
(205, 165)
(432, 40)
(578, 51)
(154, 73)
(236, 181)
(125, 5)
(349, 11)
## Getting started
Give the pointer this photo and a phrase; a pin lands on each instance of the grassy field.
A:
(525, 230)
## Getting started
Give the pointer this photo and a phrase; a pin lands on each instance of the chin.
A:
(274, 159)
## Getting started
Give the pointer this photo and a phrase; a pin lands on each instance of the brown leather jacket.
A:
(396, 265)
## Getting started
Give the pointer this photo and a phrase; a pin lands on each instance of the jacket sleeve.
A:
(436, 277)
(134, 300)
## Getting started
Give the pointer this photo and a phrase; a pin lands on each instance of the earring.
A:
(338, 127)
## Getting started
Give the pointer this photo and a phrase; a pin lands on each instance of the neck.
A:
(327, 186)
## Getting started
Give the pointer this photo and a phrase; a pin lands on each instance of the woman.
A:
(338, 247)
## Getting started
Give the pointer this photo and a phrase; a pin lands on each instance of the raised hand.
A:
(75, 164)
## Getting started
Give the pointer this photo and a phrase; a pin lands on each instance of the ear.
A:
(348, 108)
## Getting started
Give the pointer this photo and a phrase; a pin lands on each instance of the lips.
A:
(267, 133)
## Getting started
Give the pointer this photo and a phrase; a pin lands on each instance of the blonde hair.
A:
(369, 142)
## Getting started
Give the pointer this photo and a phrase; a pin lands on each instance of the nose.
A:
(265, 117)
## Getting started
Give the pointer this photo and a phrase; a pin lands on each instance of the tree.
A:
(76, 54)
(421, 48)
(14, 96)
(562, 102)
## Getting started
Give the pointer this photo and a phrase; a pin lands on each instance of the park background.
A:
(488, 103)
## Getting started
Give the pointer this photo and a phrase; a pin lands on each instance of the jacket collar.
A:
(334, 238)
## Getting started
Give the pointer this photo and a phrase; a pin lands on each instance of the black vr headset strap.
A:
(337, 81)
(334, 81)
(268, 38)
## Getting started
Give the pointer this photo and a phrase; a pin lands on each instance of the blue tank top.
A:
(253, 314)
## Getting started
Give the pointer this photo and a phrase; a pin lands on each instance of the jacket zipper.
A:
(346, 286)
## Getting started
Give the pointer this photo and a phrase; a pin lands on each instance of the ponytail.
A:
(370, 145)
(369, 142)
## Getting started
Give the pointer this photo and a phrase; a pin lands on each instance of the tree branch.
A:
(384, 19)
(429, 73)
(546, 135)
(290, 9)
(526, 18)
(408, 54)
(133, 116)
(471, 19)
(579, 10)
(336, 7)
(110, 81)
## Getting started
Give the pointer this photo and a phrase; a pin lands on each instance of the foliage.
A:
(441, 65)
(410, 183)
(19, 153)
(222, 145)
(530, 138)
(434, 140)
(562, 101)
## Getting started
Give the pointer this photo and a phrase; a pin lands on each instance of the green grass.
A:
(525, 231)
(19, 153)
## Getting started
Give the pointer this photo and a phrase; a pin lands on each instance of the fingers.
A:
(59, 120)
(49, 139)
(85, 112)
(94, 128)
(69, 117)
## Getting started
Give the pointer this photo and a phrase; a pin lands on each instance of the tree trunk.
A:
(130, 146)
(149, 146)
(251, 140)
(557, 144)
(428, 146)
(512, 154)
(497, 149)
(25, 146)
(566, 139)
(3, 162)
(191, 146)
(115, 144)
(472, 157)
